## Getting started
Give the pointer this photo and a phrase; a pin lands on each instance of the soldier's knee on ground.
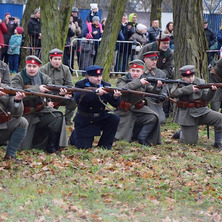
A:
(190, 140)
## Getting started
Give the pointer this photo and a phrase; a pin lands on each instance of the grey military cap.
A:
(55, 52)
(137, 63)
(33, 60)
(151, 54)
(187, 70)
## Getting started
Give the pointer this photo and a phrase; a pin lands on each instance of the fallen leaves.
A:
(129, 183)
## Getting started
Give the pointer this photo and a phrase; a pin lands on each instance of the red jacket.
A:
(3, 29)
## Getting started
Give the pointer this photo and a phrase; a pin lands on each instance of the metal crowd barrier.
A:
(83, 53)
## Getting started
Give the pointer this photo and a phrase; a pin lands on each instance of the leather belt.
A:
(197, 104)
(5, 117)
(90, 115)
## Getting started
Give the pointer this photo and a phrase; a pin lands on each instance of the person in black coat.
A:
(34, 31)
(92, 118)
(153, 31)
(211, 39)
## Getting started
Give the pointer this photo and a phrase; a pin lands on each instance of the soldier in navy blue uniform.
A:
(91, 118)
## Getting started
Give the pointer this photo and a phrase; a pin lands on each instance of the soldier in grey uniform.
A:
(165, 59)
(152, 71)
(192, 109)
(137, 120)
(46, 125)
(60, 75)
(13, 126)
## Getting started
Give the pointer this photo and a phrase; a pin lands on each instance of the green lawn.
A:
(168, 182)
(164, 183)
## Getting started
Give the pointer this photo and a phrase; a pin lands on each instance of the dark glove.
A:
(162, 98)
(134, 42)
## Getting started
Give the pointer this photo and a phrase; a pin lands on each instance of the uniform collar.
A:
(89, 84)
(53, 68)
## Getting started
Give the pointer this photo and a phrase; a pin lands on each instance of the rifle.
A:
(122, 90)
(12, 91)
(208, 85)
(170, 81)
(70, 89)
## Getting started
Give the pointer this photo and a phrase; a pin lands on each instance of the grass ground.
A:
(168, 182)
(131, 182)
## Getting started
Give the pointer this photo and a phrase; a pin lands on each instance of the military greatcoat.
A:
(153, 103)
(59, 76)
(40, 140)
(190, 118)
(128, 118)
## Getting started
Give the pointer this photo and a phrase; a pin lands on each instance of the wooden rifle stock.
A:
(12, 91)
(208, 85)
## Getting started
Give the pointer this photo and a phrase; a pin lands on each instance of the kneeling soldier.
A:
(137, 120)
(46, 124)
(60, 75)
(192, 109)
(91, 117)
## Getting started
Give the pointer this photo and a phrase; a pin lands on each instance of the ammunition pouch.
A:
(195, 103)
(30, 110)
(125, 105)
(140, 104)
(5, 117)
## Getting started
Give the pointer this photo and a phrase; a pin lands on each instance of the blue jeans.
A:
(13, 63)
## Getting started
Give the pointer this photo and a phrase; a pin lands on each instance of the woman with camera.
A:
(11, 24)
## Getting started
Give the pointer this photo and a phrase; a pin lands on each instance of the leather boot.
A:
(218, 138)
(53, 142)
(144, 133)
(15, 141)
(12, 159)
(176, 135)
(68, 116)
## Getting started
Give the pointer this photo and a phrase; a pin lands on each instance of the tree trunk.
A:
(108, 43)
(189, 37)
(54, 25)
(156, 11)
(29, 9)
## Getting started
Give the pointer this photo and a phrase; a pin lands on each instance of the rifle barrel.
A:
(12, 91)
(170, 81)
(122, 90)
(68, 88)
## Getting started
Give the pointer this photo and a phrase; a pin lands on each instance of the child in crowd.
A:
(94, 11)
(14, 49)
